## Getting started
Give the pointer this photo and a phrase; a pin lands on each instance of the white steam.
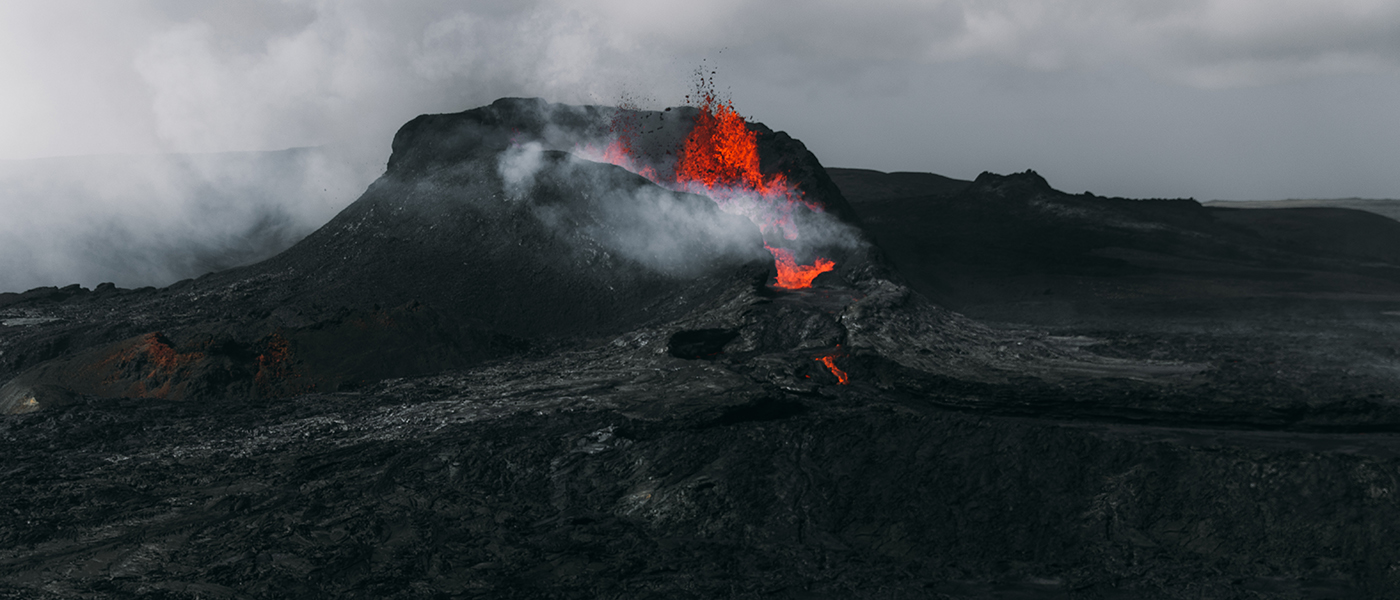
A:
(672, 232)
(152, 78)
(518, 166)
(668, 232)
(153, 219)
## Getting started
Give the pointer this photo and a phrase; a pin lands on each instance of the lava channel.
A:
(830, 361)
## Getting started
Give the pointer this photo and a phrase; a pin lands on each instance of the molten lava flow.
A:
(719, 159)
(830, 361)
(792, 276)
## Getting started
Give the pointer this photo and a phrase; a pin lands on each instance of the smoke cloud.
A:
(672, 233)
(153, 219)
(671, 226)
(226, 78)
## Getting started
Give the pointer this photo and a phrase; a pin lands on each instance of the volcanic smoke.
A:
(719, 160)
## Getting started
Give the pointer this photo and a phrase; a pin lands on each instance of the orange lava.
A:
(719, 159)
(721, 150)
(830, 361)
(793, 276)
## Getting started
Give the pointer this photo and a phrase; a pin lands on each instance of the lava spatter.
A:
(719, 159)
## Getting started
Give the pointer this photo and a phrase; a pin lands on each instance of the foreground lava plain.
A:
(1134, 399)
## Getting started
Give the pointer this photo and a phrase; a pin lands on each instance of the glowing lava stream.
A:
(720, 160)
(830, 361)
(792, 276)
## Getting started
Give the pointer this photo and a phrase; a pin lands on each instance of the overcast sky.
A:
(1236, 99)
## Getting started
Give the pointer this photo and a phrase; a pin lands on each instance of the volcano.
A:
(552, 352)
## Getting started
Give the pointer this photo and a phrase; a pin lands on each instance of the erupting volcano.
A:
(719, 159)
(510, 369)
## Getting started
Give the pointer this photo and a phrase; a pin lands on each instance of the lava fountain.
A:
(719, 160)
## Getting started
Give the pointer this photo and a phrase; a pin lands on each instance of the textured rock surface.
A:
(326, 447)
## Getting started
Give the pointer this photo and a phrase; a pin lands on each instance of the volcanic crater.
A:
(551, 353)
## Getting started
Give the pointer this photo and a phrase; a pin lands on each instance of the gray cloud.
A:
(153, 219)
(274, 74)
(1206, 98)
(671, 232)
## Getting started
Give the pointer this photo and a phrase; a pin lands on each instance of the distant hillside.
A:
(1011, 248)
(873, 186)
(1382, 207)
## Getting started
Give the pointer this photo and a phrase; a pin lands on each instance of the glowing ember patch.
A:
(830, 361)
(619, 153)
(792, 276)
